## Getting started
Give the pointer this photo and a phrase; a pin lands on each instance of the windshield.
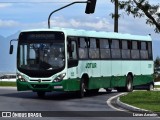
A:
(40, 56)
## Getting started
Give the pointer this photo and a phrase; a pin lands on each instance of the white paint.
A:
(110, 99)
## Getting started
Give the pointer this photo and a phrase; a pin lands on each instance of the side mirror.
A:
(11, 49)
(11, 46)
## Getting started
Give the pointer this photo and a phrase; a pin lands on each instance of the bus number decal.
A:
(91, 65)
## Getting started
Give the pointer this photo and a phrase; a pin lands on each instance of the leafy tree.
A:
(141, 8)
(157, 62)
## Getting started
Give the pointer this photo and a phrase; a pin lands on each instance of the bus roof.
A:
(99, 34)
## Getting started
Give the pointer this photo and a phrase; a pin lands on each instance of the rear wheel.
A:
(129, 85)
(108, 89)
(150, 87)
(93, 91)
(41, 94)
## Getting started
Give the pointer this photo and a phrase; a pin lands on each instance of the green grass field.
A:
(149, 100)
(2, 83)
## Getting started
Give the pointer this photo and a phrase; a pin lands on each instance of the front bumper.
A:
(65, 85)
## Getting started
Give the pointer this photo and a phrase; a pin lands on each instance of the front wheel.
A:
(82, 89)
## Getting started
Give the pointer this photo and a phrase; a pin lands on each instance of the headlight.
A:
(20, 78)
(59, 77)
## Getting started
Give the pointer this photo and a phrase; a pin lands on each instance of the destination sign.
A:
(41, 36)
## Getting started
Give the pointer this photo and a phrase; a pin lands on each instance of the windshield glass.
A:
(41, 56)
(41, 53)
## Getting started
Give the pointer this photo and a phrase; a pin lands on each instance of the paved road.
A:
(11, 100)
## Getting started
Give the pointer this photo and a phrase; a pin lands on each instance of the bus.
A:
(63, 59)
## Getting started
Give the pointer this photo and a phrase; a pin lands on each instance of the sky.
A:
(17, 15)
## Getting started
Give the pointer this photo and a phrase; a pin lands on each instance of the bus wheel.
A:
(41, 94)
(150, 87)
(93, 91)
(129, 85)
(82, 89)
(108, 89)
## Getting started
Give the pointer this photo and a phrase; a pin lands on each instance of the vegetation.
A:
(2, 83)
(141, 8)
(148, 100)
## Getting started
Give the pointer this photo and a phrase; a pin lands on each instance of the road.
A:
(12, 100)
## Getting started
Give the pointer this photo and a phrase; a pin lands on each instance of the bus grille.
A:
(42, 80)
(39, 86)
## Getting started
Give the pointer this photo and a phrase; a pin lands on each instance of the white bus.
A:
(62, 59)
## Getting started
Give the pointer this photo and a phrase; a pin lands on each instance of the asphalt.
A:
(92, 107)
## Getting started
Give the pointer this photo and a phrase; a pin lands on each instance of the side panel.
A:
(116, 73)
(131, 66)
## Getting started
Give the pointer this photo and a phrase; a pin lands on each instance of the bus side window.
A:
(135, 51)
(104, 49)
(94, 48)
(83, 48)
(115, 49)
(125, 49)
(143, 51)
(150, 50)
(72, 49)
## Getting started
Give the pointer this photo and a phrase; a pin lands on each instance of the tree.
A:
(115, 15)
(157, 62)
(141, 8)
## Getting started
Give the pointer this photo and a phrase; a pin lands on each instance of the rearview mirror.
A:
(11, 46)
(11, 49)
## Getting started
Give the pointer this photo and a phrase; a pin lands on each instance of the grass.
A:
(157, 86)
(13, 84)
(149, 100)
(157, 79)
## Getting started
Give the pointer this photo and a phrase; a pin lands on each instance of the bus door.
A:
(72, 57)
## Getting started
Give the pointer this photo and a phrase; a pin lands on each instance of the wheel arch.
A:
(85, 77)
(131, 74)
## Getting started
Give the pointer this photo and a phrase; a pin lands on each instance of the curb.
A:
(130, 107)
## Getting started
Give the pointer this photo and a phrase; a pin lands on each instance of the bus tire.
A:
(129, 84)
(150, 87)
(93, 91)
(82, 89)
(108, 89)
(41, 94)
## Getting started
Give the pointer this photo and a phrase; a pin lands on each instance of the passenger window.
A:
(150, 50)
(83, 50)
(135, 51)
(125, 50)
(104, 49)
(115, 49)
(93, 49)
(144, 51)
(72, 51)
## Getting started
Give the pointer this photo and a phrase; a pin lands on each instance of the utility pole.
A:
(116, 16)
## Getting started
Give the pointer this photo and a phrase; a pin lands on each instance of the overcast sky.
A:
(19, 16)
